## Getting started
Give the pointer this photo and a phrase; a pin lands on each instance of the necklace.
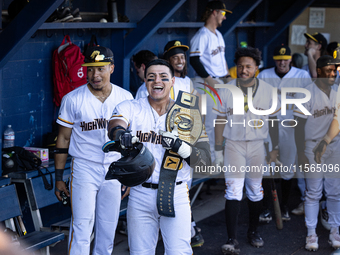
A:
(253, 87)
(323, 90)
(154, 117)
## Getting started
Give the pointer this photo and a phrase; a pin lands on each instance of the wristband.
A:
(59, 174)
(218, 147)
(60, 151)
(276, 148)
(327, 139)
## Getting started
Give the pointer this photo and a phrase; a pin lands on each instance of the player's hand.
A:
(302, 160)
(210, 81)
(125, 191)
(127, 140)
(171, 141)
(319, 150)
(311, 52)
(59, 187)
(273, 156)
(219, 158)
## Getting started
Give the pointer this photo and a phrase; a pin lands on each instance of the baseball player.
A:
(314, 48)
(244, 146)
(145, 216)
(309, 133)
(83, 119)
(207, 57)
(281, 76)
(174, 53)
(140, 60)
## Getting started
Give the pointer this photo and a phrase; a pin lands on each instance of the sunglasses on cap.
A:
(223, 12)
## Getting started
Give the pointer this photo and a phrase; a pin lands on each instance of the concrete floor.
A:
(208, 211)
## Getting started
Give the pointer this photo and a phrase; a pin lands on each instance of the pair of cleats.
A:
(65, 15)
(266, 215)
(197, 240)
(312, 242)
(232, 245)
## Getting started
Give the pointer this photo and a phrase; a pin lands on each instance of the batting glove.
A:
(219, 158)
(127, 140)
(171, 141)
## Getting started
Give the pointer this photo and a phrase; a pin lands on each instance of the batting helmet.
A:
(133, 169)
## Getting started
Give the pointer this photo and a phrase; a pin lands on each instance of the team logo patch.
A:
(171, 163)
(177, 43)
(95, 55)
(282, 51)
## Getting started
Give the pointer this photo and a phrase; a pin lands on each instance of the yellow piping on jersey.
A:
(277, 110)
(172, 93)
(299, 112)
(195, 52)
(71, 123)
(117, 116)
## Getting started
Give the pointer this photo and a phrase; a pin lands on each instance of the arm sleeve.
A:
(198, 66)
(300, 134)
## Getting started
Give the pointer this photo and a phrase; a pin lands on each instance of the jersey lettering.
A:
(147, 137)
(218, 50)
(94, 125)
(325, 111)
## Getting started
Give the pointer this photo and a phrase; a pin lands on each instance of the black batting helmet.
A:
(133, 169)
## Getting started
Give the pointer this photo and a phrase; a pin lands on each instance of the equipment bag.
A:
(68, 73)
(17, 159)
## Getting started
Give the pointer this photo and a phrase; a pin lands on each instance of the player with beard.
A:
(244, 145)
(314, 48)
(311, 136)
(283, 76)
(207, 57)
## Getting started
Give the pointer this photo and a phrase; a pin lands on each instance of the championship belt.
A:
(186, 116)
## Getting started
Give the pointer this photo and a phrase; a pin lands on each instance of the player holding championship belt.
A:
(161, 202)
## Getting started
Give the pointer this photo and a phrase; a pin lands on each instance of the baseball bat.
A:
(20, 226)
(277, 209)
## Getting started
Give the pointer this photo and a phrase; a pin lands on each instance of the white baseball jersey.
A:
(210, 48)
(240, 127)
(322, 109)
(134, 113)
(183, 84)
(142, 91)
(88, 117)
(294, 78)
(306, 68)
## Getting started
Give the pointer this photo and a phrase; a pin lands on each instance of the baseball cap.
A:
(336, 56)
(98, 56)
(174, 47)
(326, 60)
(317, 37)
(217, 5)
(282, 52)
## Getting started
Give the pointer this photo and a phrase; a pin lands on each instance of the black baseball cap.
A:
(336, 56)
(282, 53)
(98, 56)
(174, 47)
(217, 5)
(317, 37)
(326, 60)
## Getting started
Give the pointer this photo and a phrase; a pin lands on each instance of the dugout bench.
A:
(10, 209)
